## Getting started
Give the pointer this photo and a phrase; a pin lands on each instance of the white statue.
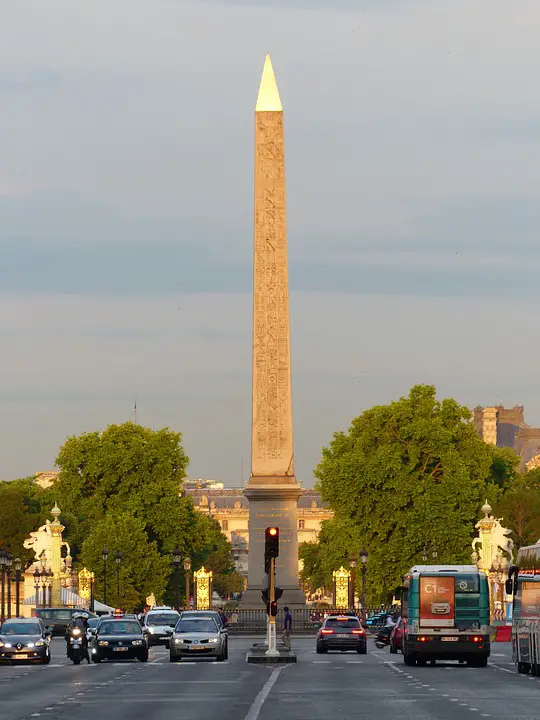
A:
(40, 542)
(496, 539)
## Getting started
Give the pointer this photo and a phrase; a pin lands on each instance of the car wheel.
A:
(321, 650)
(361, 650)
(174, 658)
(478, 662)
(47, 659)
(221, 657)
(393, 649)
(96, 658)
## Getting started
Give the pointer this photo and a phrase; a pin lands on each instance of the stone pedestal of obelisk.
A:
(272, 490)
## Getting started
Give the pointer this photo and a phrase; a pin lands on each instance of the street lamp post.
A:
(352, 565)
(364, 559)
(17, 565)
(37, 576)
(118, 560)
(187, 568)
(177, 559)
(3, 581)
(9, 563)
(105, 555)
(50, 576)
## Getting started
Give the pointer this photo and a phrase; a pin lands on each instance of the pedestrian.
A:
(287, 627)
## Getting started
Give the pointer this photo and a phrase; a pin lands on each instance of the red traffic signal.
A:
(271, 542)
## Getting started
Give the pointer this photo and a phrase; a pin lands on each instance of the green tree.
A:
(531, 480)
(142, 570)
(133, 470)
(520, 511)
(503, 473)
(20, 513)
(406, 476)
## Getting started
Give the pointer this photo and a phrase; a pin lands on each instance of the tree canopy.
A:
(129, 476)
(407, 476)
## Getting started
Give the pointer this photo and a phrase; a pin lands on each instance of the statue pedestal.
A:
(273, 505)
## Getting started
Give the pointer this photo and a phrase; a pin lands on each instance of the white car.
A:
(198, 637)
(158, 625)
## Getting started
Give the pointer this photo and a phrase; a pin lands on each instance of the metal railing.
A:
(252, 620)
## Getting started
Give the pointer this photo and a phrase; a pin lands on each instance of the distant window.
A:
(301, 524)
(224, 524)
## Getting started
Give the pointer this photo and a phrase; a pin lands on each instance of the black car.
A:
(58, 618)
(25, 639)
(342, 632)
(119, 638)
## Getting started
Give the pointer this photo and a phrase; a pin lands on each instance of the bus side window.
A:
(404, 601)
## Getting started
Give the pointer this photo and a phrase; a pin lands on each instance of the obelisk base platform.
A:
(273, 504)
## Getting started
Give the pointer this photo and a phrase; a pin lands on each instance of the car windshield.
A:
(120, 628)
(92, 623)
(20, 628)
(196, 625)
(169, 619)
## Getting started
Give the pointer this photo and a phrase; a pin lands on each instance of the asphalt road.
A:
(376, 686)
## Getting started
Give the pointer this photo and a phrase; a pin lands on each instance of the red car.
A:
(396, 637)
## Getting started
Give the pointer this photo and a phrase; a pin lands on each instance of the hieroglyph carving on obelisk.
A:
(272, 433)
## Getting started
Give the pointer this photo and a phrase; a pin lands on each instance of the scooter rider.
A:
(78, 625)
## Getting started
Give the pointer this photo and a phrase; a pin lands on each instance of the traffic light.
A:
(278, 592)
(271, 546)
(273, 609)
(265, 596)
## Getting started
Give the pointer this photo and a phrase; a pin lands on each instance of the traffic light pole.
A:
(272, 640)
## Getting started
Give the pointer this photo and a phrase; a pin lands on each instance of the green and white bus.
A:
(445, 615)
(524, 585)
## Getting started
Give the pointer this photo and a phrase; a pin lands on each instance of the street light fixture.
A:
(187, 568)
(17, 564)
(424, 555)
(3, 581)
(9, 563)
(37, 576)
(177, 559)
(363, 559)
(105, 555)
(118, 560)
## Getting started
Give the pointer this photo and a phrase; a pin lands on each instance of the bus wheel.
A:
(535, 670)
(523, 668)
(408, 660)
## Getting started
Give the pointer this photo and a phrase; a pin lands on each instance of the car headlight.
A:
(1, 644)
(103, 642)
(8, 645)
(39, 643)
(137, 642)
(30, 644)
(214, 640)
(179, 640)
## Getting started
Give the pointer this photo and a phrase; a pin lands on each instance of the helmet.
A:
(84, 615)
(76, 616)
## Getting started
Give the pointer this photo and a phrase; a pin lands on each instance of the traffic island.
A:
(257, 655)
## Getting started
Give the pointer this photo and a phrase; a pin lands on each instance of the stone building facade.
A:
(506, 427)
(230, 508)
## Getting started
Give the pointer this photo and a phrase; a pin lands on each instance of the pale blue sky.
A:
(126, 142)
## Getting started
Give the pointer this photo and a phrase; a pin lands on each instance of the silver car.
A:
(198, 637)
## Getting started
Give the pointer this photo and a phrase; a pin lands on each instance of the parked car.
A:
(198, 637)
(341, 632)
(25, 639)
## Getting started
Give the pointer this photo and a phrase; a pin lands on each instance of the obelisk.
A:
(272, 490)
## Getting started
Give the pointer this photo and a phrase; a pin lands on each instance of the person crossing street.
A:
(287, 628)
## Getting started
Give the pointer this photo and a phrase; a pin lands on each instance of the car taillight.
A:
(327, 632)
(358, 632)
(423, 638)
(477, 638)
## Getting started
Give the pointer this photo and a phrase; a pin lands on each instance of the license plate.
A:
(163, 637)
(197, 647)
(342, 635)
(19, 657)
(449, 639)
(120, 649)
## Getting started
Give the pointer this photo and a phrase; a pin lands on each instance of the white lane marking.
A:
(255, 709)
(474, 709)
(354, 662)
(512, 672)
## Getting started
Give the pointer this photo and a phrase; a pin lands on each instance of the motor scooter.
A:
(383, 637)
